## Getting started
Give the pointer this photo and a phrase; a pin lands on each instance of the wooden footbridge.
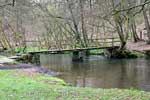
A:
(77, 54)
(58, 51)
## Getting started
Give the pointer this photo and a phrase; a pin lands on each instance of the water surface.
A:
(99, 72)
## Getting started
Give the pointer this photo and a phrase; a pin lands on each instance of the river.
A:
(98, 72)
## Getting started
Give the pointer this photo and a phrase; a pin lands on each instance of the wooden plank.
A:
(87, 39)
(71, 50)
(105, 39)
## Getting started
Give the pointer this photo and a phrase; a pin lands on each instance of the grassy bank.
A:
(28, 85)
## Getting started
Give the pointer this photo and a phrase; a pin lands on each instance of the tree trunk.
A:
(133, 29)
(147, 25)
(75, 25)
(85, 37)
(120, 33)
(119, 28)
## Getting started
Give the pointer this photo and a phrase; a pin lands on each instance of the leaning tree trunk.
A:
(119, 27)
(121, 35)
(4, 41)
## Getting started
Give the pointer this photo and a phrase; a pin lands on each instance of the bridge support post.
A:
(86, 52)
(36, 59)
(110, 52)
(77, 56)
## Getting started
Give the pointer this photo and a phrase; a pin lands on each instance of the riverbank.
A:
(5, 60)
(29, 85)
(27, 82)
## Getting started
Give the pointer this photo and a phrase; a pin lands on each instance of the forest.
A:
(74, 49)
(61, 24)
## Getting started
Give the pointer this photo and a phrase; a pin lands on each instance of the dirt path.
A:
(16, 66)
(139, 46)
(28, 68)
(6, 60)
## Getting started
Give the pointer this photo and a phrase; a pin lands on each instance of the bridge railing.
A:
(65, 44)
(104, 42)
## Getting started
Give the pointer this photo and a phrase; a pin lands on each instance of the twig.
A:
(8, 4)
(130, 8)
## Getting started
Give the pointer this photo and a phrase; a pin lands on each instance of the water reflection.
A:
(96, 71)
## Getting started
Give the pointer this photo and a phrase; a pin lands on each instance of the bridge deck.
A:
(71, 50)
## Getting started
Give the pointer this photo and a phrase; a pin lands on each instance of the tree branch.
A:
(8, 4)
(130, 8)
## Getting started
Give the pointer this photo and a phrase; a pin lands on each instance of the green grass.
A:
(28, 49)
(2, 56)
(96, 52)
(20, 85)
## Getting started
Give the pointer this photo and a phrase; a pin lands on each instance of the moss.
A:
(147, 54)
(124, 54)
(22, 49)
(96, 52)
(139, 54)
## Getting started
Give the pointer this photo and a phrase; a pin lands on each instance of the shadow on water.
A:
(97, 71)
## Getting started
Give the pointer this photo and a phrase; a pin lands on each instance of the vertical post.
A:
(13, 4)
(36, 59)
(141, 35)
(107, 53)
(112, 42)
(77, 56)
